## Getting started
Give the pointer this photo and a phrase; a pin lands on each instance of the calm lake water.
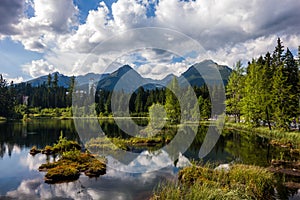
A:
(20, 179)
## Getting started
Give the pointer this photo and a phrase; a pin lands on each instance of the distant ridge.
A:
(130, 78)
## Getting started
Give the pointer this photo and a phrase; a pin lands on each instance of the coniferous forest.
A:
(265, 92)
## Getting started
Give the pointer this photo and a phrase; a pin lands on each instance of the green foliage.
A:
(240, 182)
(157, 116)
(268, 92)
(71, 162)
(61, 174)
(277, 136)
(7, 96)
(64, 145)
(172, 103)
(205, 107)
(234, 91)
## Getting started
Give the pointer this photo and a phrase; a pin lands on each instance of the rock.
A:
(182, 161)
(224, 167)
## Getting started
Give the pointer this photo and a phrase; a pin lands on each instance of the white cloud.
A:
(38, 68)
(129, 14)
(51, 19)
(18, 79)
(228, 30)
(253, 48)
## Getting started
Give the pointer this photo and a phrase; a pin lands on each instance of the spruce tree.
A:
(172, 102)
(234, 91)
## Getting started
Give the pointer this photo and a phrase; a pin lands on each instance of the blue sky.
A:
(75, 37)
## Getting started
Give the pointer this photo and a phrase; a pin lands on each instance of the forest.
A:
(265, 92)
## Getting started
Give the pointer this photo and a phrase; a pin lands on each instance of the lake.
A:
(136, 179)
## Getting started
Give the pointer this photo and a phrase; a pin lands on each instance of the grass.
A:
(71, 162)
(62, 174)
(277, 137)
(113, 144)
(198, 182)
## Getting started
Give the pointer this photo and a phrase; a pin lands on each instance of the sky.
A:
(155, 37)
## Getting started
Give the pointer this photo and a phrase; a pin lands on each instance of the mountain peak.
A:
(125, 68)
(122, 70)
(206, 63)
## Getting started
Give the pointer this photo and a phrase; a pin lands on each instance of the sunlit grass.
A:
(279, 136)
(240, 182)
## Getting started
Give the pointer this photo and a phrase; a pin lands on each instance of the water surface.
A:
(20, 178)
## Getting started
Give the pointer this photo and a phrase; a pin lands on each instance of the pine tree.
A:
(252, 102)
(70, 91)
(204, 107)
(189, 104)
(281, 98)
(55, 89)
(292, 71)
(267, 76)
(140, 100)
(234, 91)
(172, 104)
(49, 84)
(278, 53)
(6, 98)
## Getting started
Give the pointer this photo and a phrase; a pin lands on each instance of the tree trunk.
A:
(268, 119)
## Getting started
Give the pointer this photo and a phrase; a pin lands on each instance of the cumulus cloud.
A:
(38, 68)
(218, 23)
(51, 20)
(226, 30)
(11, 11)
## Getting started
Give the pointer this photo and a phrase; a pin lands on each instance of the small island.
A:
(71, 163)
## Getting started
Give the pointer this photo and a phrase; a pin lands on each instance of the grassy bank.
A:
(277, 137)
(198, 182)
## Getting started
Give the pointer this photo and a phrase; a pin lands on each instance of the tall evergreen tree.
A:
(55, 88)
(267, 76)
(172, 103)
(70, 91)
(278, 53)
(252, 103)
(140, 100)
(6, 99)
(234, 91)
(281, 99)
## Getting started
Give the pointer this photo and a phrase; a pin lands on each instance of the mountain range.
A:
(127, 79)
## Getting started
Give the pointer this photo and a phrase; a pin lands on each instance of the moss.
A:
(62, 173)
(34, 150)
(64, 145)
(61, 170)
(47, 166)
(72, 161)
(115, 144)
(48, 150)
(95, 169)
